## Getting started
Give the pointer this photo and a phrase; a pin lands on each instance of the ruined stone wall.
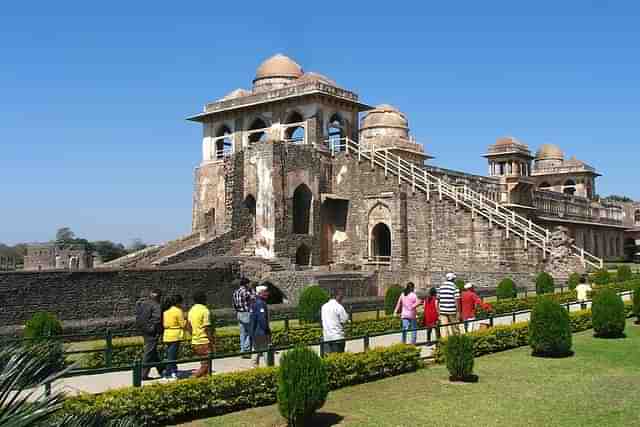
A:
(94, 294)
(209, 196)
(429, 238)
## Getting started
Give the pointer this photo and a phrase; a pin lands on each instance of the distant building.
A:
(50, 256)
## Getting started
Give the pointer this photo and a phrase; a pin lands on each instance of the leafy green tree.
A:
(136, 245)
(65, 236)
(108, 250)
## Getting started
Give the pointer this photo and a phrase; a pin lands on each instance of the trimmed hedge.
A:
(550, 329)
(624, 273)
(636, 303)
(501, 338)
(160, 404)
(545, 284)
(302, 385)
(601, 277)
(310, 304)
(391, 298)
(608, 314)
(506, 289)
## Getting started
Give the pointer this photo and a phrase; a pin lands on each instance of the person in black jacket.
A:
(259, 323)
(149, 323)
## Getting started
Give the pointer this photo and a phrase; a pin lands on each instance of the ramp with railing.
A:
(421, 180)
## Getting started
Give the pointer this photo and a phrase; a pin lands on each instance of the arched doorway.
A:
(381, 242)
(249, 205)
(302, 198)
(569, 187)
(223, 145)
(303, 256)
(335, 132)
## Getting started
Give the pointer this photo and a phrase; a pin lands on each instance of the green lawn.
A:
(599, 386)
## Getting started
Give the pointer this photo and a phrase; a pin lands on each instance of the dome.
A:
(237, 93)
(279, 66)
(311, 76)
(384, 116)
(550, 152)
(507, 140)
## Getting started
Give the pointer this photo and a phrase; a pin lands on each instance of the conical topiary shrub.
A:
(506, 289)
(550, 330)
(458, 353)
(574, 280)
(311, 301)
(608, 314)
(303, 385)
(544, 284)
(391, 298)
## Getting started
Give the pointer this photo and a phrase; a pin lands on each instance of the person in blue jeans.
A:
(243, 299)
(407, 309)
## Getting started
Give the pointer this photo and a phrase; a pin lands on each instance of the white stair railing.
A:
(418, 178)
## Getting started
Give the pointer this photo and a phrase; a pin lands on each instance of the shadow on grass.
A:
(550, 355)
(325, 419)
(611, 337)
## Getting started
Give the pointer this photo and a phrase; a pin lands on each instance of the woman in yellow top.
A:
(174, 324)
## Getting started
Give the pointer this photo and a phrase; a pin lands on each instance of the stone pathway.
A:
(103, 382)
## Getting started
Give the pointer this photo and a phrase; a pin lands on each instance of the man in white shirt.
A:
(334, 317)
(582, 291)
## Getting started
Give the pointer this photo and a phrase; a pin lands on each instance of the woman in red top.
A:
(430, 312)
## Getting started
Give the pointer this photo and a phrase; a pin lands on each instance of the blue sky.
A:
(93, 96)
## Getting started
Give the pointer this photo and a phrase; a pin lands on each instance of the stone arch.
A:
(276, 295)
(223, 143)
(336, 130)
(257, 132)
(302, 201)
(303, 255)
(294, 134)
(569, 187)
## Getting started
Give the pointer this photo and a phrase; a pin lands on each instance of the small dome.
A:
(311, 76)
(550, 152)
(384, 116)
(237, 93)
(278, 66)
(507, 140)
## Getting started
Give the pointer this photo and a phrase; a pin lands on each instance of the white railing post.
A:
(440, 188)
(399, 171)
(428, 184)
(372, 154)
(386, 163)
(413, 178)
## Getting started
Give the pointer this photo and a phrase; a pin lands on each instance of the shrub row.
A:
(127, 351)
(159, 404)
(501, 338)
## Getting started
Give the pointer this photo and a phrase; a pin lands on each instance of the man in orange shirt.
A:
(468, 303)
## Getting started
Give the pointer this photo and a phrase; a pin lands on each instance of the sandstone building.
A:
(299, 172)
(51, 256)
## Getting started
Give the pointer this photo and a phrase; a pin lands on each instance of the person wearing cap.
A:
(468, 304)
(243, 298)
(448, 303)
(259, 323)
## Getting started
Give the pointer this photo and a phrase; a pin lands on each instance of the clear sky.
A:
(93, 96)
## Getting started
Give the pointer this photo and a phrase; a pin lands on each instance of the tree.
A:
(64, 235)
(136, 245)
(108, 250)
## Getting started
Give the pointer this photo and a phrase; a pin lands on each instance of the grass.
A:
(599, 386)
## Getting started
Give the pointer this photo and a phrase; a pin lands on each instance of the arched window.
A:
(257, 131)
(294, 134)
(302, 209)
(335, 132)
(303, 255)
(276, 296)
(636, 218)
(249, 205)
(381, 241)
(223, 144)
(569, 187)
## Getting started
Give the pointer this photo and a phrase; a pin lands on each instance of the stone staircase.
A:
(420, 179)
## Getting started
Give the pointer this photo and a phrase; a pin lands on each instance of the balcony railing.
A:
(577, 208)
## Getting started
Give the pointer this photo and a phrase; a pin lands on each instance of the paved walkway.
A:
(104, 382)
